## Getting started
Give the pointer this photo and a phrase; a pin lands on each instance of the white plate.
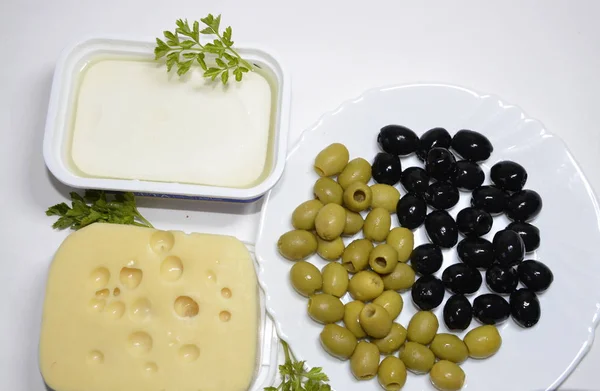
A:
(530, 359)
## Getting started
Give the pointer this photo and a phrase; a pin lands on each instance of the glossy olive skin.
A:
(415, 180)
(304, 215)
(351, 312)
(523, 205)
(440, 164)
(441, 228)
(427, 258)
(403, 240)
(535, 275)
(472, 146)
(392, 342)
(324, 308)
(449, 347)
(490, 308)
(508, 175)
(357, 197)
(377, 225)
(364, 361)
(391, 301)
(489, 198)
(391, 374)
(447, 376)
(297, 244)
(402, 278)
(436, 137)
(338, 341)
(428, 292)
(422, 327)
(330, 250)
(386, 168)
(483, 341)
(462, 279)
(365, 285)
(442, 195)
(357, 170)
(398, 140)
(328, 191)
(375, 320)
(458, 313)
(529, 233)
(411, 211)
(384, 196)
(509, 249)
(417, 358)
(335, 279)
(468, 175)
(330, 221)
(383, 259)
(354, 223)
(306, 278)
(502, 280)
(473, 222)
(476, 252)
(331, 160)
(525, 307)
(356, 256)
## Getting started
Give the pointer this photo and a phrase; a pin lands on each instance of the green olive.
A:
(297, 244)
(383, 259)
(325, 308)
(385, 196)
(335, 279)
(332, 160)
(447, 376)
(401, 278)
(356, 255)
(391, 342)
(357, 170)
(338, 341)
(365, 285)
(304, 215)
(403, 240)
(328, 191)
(483, 341)
(449, 347)
(417, 358)
(364, 361)
(375, 320)
(306, 278)
(330, 221)
(354, 223)
(330, 250)
(422, 327)
(391, 301)
(351, 311)
(377, 225)
(357, 197)
(391, 374)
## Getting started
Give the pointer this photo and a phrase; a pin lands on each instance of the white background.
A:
(541, 55)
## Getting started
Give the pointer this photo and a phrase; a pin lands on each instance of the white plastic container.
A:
(62, 108)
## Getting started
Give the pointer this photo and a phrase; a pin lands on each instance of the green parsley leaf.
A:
(295, 378)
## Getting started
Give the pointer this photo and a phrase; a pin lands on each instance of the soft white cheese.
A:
(132, 120)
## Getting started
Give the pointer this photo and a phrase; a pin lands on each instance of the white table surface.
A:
(541, 55)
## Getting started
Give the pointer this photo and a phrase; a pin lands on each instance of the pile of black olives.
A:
(451, 165)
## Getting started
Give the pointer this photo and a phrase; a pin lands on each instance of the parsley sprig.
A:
(120, 209)
(294, 377)
(182, 49)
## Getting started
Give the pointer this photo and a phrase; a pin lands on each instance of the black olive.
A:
(489, 198)
(476, 252)
(535, 275)
(436, 137)
(440, 164)
(386, 168)
(474, 222)
(398, 140)
(426, 258)
(442, 195)
(411, 210)
(491, 308)
(523, 205)
(529, 233)
(458, 313)
(441, 228)
(508, 175)
(415, 180)
(428, 292)
(471, 145)
(501, 279)
(509, 248)
(461, 278)
(525, 307)
(468, 175)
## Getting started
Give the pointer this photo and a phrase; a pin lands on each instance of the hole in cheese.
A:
(186, 307)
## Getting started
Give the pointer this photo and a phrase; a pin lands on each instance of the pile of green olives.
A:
(373, 269)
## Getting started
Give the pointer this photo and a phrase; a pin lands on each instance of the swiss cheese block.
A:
(136, 309)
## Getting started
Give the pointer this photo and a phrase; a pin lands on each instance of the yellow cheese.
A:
(136, 309)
